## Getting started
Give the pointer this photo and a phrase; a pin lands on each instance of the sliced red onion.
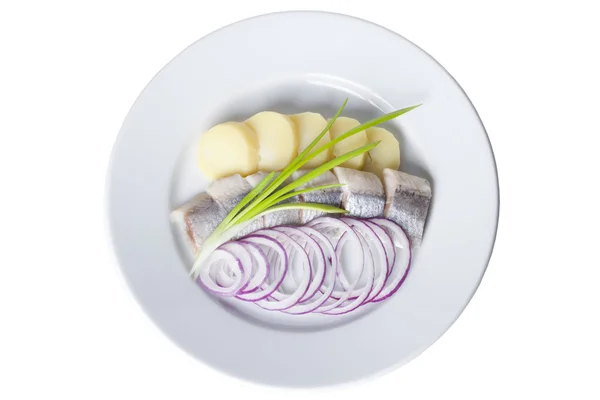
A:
(372, 243)
(223, 275)
(315, 255)
(338, 234)
(401, 266)
(260, 267)
(332, 228)
(298, 270)
(209, 283)
(278, 267)
(359, 226)
(328, 281)
(367, 271)
(350, 238)
(388, 244)
(226, 275)
(280, 300)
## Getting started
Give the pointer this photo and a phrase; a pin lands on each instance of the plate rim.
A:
(111, 172)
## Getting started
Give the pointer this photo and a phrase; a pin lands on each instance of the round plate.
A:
(290, 62)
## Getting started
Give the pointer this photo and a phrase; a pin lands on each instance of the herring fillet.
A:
(362, 193)
(332, 196)
(229, 191)
(253, 180)
(197, 219)
(407, 202)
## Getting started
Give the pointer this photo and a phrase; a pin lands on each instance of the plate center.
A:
(288, 95)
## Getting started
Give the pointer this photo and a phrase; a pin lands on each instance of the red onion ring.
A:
(206, 281)
(328, 281)
(281, 264)
(367, 270)
(226, 275)
(260, 267)
(403, 258)
(315, 255)
(279, 300)
(377, 256)
(388, 244)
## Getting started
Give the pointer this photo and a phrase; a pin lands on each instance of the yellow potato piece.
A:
(278, 143)
(341, 126)
(227, 149)
(308, 126)
(385, 155)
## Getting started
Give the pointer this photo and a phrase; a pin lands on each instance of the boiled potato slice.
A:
(341, 126)
(308, 126)
(227, 149)
(278, 143)
(385, 155)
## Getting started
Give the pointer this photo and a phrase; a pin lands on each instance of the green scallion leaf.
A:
(305, 206)
(248, 198)
(270, 203)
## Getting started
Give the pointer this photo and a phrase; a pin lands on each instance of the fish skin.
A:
(362, 195)
(407, 202)
(229, 191)
(197, 219)
(254, 179)
(332, 196)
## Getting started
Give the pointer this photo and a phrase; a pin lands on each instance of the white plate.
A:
(293, 62)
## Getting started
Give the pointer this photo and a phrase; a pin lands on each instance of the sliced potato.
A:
(227, 149)
(341, 126)
(385, 155)
(308, 126)
(278, 143)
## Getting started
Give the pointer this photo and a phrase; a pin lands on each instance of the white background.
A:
(69, 71)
